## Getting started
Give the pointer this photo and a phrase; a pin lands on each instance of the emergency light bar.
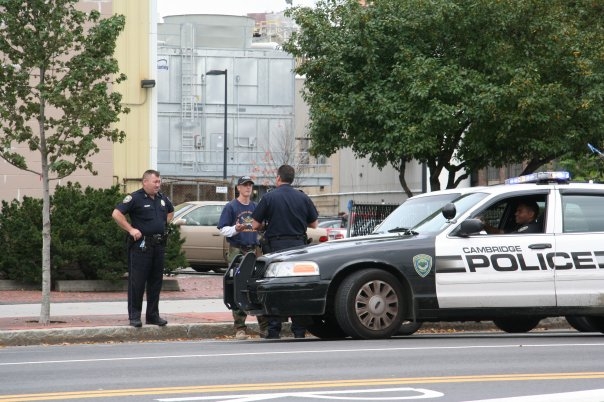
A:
(540, 177)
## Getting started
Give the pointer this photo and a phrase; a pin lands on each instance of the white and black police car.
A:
(444, 267)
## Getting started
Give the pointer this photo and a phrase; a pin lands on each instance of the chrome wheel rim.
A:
(376, 305)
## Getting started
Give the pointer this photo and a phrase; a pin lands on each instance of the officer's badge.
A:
(163, 204)
(422, 264)
(127, 199)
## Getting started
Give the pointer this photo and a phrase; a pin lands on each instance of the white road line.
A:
(296, 352)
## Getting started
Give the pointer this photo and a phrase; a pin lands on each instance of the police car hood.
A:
(350, 246)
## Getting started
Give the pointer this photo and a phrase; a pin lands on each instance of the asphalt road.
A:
(449, 367)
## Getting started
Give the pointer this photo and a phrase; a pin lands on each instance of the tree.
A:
(56, 70)
(283, 149)
(457, 84)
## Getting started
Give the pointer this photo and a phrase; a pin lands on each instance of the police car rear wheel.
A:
(580, 323)
(326, 327)
(516, 325)
(368, 304)
(597, 323)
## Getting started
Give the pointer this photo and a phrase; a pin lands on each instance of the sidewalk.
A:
(195, 311)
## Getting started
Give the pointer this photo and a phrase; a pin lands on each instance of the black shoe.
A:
(156, 321)
(299, 336)
(272, 335)
(136, 323)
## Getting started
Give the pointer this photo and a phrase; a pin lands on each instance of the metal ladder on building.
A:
(188, 103)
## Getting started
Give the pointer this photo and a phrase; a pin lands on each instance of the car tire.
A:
(326, 327)
(580, 323)
(596, 322)
(409, 327)
(516, 325)
(200, 268)
(369, 304)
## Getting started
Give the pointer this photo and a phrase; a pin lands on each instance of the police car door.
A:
(496, 270)
(579, 259)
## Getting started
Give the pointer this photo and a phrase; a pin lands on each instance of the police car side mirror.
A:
(449, 211)
(179, 222)
(470, 226)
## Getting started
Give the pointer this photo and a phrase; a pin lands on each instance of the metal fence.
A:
(181, 190)
(363, 218)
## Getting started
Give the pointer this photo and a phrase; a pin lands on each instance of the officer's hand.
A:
(135, 234)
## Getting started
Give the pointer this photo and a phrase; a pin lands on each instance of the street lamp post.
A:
(224, 164)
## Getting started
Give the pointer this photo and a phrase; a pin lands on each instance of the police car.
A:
(444, 267)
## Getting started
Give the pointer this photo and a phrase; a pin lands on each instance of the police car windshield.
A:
(413, 211)
(436, 222)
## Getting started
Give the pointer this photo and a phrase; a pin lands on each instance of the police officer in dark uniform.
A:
(289, 212)
(149, 212)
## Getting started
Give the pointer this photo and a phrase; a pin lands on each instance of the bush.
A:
(85, 241)
(21, 237)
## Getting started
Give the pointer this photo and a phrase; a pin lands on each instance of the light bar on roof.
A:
(540, 177)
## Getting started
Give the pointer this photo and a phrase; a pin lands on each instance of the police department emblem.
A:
(127, 199)
(163, 204)
(422, 264)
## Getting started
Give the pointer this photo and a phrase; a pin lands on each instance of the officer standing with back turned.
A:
(289, 212)
(149, 211)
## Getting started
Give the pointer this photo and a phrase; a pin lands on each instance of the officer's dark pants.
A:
(145, 270)
(274, 322)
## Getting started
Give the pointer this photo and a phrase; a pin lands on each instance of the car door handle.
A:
(540, 246)
(214, 234)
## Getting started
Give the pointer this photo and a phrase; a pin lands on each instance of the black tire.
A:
(580, 323)
(200, 268)
(516, 325)
(326, 327)
(409, 327)
(368, 304)
(596, 322)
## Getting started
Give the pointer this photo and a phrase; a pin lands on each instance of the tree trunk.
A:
(402, 180)
(46, 280)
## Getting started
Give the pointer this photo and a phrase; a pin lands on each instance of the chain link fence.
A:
(363, 218)
(182, 190)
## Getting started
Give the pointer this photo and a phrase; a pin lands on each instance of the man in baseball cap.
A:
(236, 225)
(245, 179)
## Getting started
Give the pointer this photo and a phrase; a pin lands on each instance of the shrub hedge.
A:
(85, 241)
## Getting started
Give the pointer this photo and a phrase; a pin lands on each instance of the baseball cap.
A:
(245, 179)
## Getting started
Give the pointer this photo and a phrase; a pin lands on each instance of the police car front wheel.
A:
(369, 304)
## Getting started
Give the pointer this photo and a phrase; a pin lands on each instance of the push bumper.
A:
(271, 296)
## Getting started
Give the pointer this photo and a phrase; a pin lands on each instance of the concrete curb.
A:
(113, 334)
(173, 332)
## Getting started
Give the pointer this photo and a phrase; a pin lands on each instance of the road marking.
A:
(409, 394)
(205, 389)
(296, 352)
(594, 395)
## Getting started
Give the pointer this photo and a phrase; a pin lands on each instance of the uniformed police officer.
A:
(149, 212)
(236, 224)
(289, 212)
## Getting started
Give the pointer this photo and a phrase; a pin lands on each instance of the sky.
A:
(229, 7)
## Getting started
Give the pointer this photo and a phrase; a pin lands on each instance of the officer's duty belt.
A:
(152, 240)
(299, 237)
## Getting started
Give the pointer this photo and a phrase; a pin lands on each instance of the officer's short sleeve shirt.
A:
(287, 210)
(149, 215)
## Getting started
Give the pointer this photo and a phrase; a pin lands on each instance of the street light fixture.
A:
(223, 72)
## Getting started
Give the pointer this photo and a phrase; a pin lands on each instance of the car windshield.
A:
(436, 222)
(413, 211)
(181, 209)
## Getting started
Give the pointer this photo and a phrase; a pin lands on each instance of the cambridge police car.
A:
(444, 267)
